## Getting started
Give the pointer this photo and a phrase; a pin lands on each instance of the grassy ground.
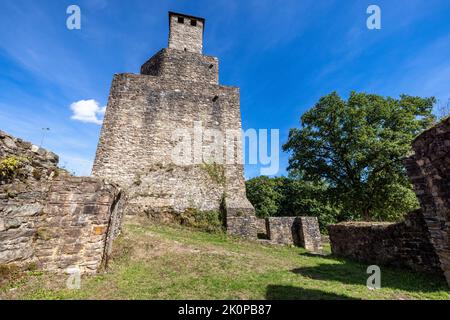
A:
(162, 262)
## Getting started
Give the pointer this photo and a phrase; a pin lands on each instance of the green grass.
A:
(164, 262)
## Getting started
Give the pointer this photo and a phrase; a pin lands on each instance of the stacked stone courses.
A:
(429, 171)
(178, 88)
(52, 220)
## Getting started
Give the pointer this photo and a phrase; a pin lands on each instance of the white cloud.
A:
(88, 111)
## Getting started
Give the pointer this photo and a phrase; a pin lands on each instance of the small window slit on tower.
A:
(180, 20)
(215, 98)
(193, 22)
(211, 66)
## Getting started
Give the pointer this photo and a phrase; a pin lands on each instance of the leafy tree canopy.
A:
(356, 147)
(290, 197)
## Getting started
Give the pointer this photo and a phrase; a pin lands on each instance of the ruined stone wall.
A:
(309, 234)
(57, 224)
(299, 231)
(406, 244)
(51, 219)
(283, 230)
(38, 162)
(429, 171)
(146, 118)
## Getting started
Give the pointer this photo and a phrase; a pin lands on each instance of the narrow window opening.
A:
(211, 66)
(215, 98)
(193, 22)
(180, 20)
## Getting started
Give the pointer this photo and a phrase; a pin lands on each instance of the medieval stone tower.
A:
(171, 135)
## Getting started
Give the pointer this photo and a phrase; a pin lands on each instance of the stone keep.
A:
(176, 92)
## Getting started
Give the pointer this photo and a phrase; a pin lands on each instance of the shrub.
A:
(10, 168)
(210, 221)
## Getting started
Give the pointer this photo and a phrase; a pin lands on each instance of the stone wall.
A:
(429, 171)
(184, 36)
(37, 162)
(406, 244)
(299, 231)
(174, 64)
(57, 224)
(51, 219)
(309, 234)
(283, 230)
(242, 226)
(165, 128)
(261, 229)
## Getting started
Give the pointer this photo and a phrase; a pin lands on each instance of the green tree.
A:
(305, 198)
(265, 194)
(290, 197)
(356, 147)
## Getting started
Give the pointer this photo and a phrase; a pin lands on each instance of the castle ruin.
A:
(171, 135)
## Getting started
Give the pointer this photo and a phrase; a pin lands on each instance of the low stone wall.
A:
(429, 171)
(309, 233)
(283, 230)
(299, 231)
(244, 226)
(38, 163)
(406, 244)
(51, 219)
(59, 224)
(261, 228)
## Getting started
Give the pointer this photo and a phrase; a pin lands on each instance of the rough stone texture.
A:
(183, 35)
(429, 171)
(242, 226)
(62, 223)
(52, 219)
(38, 162)
(406, 244)
(283, 230)
(309, 234)
(299, 231)
(171, 63)
(176, 90)
(261, 228)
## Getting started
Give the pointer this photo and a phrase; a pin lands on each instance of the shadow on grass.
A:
(321, 255)
(354, 273)
(275, 292)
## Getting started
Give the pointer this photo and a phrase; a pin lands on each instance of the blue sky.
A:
(284, 55)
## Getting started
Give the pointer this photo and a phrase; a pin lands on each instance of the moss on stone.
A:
(215, 171)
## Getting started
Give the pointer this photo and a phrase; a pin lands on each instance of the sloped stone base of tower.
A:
(176, 194)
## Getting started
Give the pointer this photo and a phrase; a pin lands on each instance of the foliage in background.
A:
(356, 147)
(265, 194)
(291, 197)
